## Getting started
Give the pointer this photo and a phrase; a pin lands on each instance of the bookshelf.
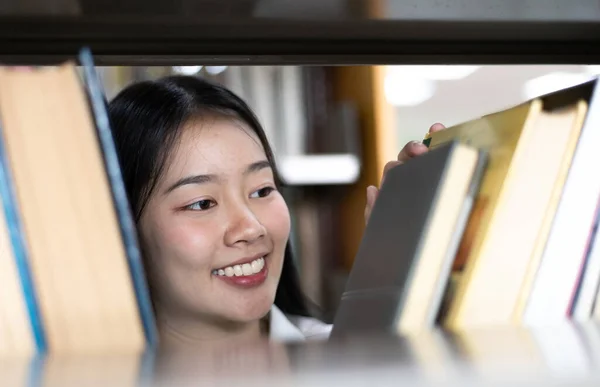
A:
(144, 33)
(267, 31)
(363, 85)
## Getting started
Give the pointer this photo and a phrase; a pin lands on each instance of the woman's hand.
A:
(410, 150)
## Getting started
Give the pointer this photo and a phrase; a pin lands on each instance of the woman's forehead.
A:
(217, 143)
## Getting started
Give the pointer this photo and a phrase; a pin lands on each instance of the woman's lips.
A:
(247, 275)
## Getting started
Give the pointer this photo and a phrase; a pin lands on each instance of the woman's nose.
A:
(244, 226)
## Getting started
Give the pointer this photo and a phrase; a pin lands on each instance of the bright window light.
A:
(401, 90)
(551, 82)
(593, 69)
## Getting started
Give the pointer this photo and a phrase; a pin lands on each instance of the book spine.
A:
(120, 199)
(19, 247)
(581, 277)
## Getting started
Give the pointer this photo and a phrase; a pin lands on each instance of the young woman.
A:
(213, 227)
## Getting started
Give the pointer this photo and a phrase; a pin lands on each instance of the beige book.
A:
(76, 252)
(15, 371)
(16, 336)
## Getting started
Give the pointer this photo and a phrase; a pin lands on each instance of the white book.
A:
(565, 250)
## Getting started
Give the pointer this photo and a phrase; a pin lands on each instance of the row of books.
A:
(70, 267)
(494, 226)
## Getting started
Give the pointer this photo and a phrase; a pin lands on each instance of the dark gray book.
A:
(405, 258)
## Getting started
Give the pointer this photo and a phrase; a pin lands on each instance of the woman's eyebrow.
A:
(202, 179)
(257, 166)
(195, 179)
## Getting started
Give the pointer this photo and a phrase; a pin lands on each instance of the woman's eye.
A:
(261, 193)
(200, 205)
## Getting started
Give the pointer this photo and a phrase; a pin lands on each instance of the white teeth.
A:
(237, 269)
(241, 270)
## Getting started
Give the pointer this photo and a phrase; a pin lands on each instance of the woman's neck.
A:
(181, 332)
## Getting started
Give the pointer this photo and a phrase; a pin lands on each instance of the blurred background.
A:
(334, 128)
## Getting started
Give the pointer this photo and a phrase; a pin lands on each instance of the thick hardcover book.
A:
(404, 260)
(81, 248)
(9, 214)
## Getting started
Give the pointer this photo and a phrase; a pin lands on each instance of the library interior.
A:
(306, 193)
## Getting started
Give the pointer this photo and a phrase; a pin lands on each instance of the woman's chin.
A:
(248, 312)
(252, 314)
(253, 307)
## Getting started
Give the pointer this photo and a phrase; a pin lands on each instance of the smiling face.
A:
(212, 218)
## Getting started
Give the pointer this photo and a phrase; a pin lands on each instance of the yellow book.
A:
(501, 134)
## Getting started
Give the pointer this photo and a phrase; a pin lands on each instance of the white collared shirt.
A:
(289, 328)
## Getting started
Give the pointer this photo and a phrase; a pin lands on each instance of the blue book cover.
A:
(10, 209)
(128, 229)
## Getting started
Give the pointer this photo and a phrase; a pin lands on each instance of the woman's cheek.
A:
(190, 241)
(277, 220)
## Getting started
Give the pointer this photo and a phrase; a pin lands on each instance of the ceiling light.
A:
(187, 70)
(549, 83)
(214, 70)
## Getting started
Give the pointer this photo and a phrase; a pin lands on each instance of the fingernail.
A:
(370, 191)
(437, 126)
(417, 144)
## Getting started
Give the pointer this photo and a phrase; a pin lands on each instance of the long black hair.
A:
(147, 120)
